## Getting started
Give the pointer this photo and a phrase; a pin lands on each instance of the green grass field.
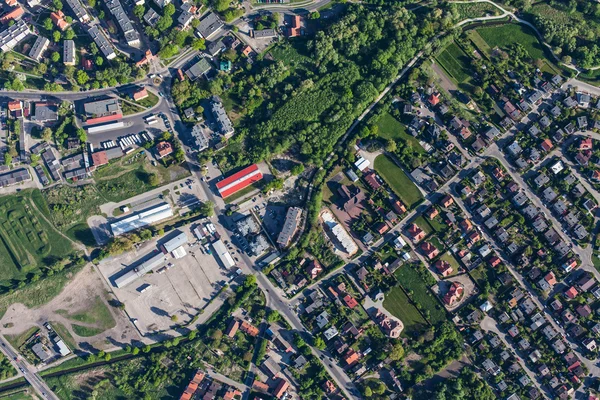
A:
(86, 331)
(410, 279)
(437, 224)
(399, 305)
(478, 41)
(98, 313)
(449, 258)
(149, 101)
(398, 181)
(455, 62)
(390, 128)
(475, 10)
(504, 35)
(422, 223)
(27, 241)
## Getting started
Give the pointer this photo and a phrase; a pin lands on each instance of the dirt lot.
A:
(77, 298)
(176, 295)
(257, 44)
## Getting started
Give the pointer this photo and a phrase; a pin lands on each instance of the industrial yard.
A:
(166, 282)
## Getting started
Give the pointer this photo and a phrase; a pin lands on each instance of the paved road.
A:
(26, 370)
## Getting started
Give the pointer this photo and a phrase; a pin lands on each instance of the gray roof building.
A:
(225, 125)
(131, 35)
(14, 177)
(144, 267)
(290, 226)
(44, 112)
(38, 48)
(264, 34)
(215, 48)
(102, 42)
(68, 52)
(100, 108)
(11, 36)
(177, 241)
(209, 25)
(40, 351)
(78, 10)
(151, 17)
(201, 68)
(200, 140)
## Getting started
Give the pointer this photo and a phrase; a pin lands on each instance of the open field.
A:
(455, 62)
(410, 280)
(478, 41)
(398, 181)
(504, 35)
(64, 334)
(27, 240)
(399, 305)
(391, 128)
(475, 10)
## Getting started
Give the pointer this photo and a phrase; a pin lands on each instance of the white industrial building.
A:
(141, 219)
(128, 277)
(11, 36)
(362, 164)
(173, 245)
(222, 253)
(340, 234)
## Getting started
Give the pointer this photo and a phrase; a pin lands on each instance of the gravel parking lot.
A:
(181, 291)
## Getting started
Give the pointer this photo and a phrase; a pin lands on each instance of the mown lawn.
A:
(86, 331)
(27, 241)
(504, 35)
(422, 223)
(410, 280)
(390, 128)
(398, 181)
(449, 258)
(455, 62)
(97, 313)
(399, 305)
(478, 41)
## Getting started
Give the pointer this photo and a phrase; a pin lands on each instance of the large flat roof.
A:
(223, 254)
(239, 180)
(141, 219)
(131, 275)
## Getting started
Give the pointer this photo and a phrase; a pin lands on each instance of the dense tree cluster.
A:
(468, 385)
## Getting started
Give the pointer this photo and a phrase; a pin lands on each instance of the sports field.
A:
(395, 177)
(27, 241)
(455, 62)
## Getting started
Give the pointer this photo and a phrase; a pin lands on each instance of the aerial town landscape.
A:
(299, 199)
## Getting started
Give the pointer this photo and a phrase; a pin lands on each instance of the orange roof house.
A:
(494, 261)
(351, 357)
(596, 175)
(447, 201)
(281, 388)
(551, 278)
(389, 326)
(498, 173)
(294, 30)
(434, 99)
(466, 225)
(415, 232)
(586, 144)
(58, 17)
(328, 387)
(443, 267)
(231, 394)
(382, 228)
(432, 212)
(547, 145)
(140, 94)
(314, 268)
(474, 237)
(163, 149)
(249, 328)
(571, 293)
(465, 133)
(429, 250)
(247, 50)
(454, 293)
(15, 105)
(399, 207)
(86, 63)
(192, 386)
(13, 14)
(146, 59)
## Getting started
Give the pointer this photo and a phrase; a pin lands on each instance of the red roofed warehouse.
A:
(239, 180)
(99, 158)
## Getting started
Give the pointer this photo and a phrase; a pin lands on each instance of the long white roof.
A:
(223, 254)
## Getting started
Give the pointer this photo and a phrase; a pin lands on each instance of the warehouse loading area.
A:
(178, 287)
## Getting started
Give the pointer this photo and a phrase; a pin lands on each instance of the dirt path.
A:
(77, 296)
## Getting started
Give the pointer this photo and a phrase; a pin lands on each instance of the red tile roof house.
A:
(596, 175)
(466, 225)
(586, 144)
(313, 269)
(99, 158)
(350, 301)
(281, 388)
(58, 18)
(443, 267)
(382, 228)
(447, 201)
(372, 181)
(351, 357)
(163, 149)
(399, 207)
(328, 387)
(429, 250)
(550, 278)
(13, 14)
(494, 261)
(474, 237)
(454, 293)
(434, 99)
(432, 212)
(547, 145)
(571, 293)
(140, 94)
(416, 233)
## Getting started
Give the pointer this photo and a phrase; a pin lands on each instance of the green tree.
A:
(47, 134)
(135, 351)
(315, 15)
(169, 9)
(82, 77)
(56, 36)
(207, 209)
(319, 343)
(69, 34)
(17, 85)
(273, 316)
(221, 5)
(55, 57)
(199, 44)
(139, 11)
(397, 352)
(153, 179)
(48, 24)
(57, 4)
